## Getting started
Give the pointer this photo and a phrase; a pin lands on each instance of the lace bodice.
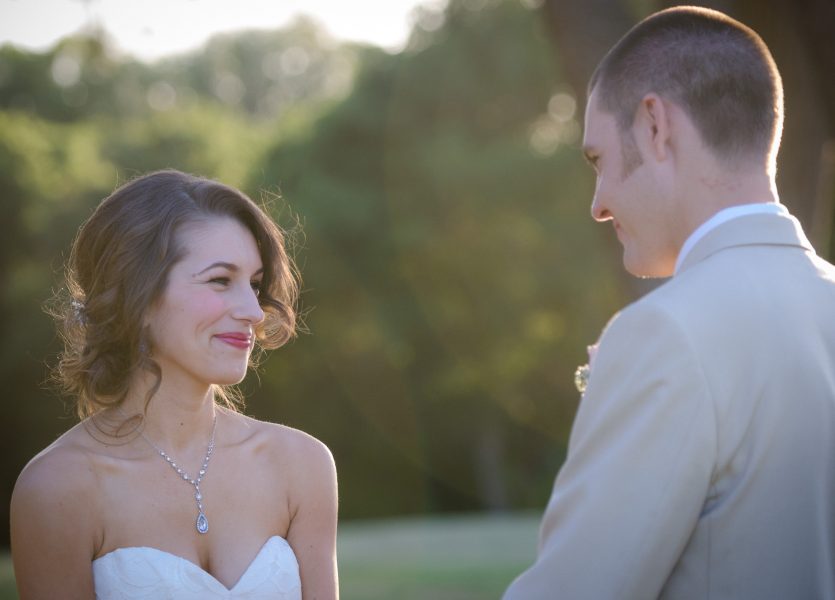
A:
(147, 573)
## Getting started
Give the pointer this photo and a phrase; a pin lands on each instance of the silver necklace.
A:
(202, 522)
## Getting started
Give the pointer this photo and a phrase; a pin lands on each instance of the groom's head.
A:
(685, 88)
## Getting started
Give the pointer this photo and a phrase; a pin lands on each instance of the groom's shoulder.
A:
(733, 290)
(699, 295)
(669, 297)
(721, 281)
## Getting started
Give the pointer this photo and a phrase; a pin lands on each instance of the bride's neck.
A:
(177, 417)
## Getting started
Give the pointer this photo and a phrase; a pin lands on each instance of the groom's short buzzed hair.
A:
(714, 67)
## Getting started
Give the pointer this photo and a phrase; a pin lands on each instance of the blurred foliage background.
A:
(452, 275)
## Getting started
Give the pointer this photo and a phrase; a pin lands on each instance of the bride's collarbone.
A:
(144, 502)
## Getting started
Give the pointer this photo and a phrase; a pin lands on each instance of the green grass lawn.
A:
(440, 558)
(7, 587)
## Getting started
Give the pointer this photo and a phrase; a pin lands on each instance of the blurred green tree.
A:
(453, 271)
(49, 175)
(256, 73)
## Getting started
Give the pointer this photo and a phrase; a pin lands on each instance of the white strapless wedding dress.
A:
(148, 573)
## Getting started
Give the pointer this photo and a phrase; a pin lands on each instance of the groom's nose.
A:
(599, 212)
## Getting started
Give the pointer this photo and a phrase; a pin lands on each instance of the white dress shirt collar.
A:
(723, 216)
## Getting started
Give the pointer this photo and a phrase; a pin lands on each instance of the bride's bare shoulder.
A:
(284, 445)
(64, 467)
(272, 437)
(55, 524)
(54, 505)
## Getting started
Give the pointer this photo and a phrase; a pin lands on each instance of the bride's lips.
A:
(241, 341)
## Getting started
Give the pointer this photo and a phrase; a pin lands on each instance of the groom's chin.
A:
(647, 269)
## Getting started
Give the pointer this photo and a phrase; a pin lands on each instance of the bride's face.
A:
(203, 326)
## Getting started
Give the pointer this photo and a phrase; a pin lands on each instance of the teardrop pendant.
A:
(202, 523)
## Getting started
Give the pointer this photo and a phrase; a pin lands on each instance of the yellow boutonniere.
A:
(583, 372)
(581, 377)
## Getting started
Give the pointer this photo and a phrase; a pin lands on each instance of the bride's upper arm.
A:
(312, 532)
(53, 527)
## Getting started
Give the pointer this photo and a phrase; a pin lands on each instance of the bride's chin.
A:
(229, 378)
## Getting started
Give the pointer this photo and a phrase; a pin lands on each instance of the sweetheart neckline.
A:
(194, 565)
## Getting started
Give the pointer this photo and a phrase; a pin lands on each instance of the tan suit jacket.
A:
(701, 463)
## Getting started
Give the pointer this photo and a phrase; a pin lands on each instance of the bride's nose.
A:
(248, 308)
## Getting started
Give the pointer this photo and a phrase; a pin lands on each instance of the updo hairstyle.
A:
(118, 268)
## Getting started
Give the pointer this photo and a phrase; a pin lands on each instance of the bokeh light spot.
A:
(161, 96)
(66, 70)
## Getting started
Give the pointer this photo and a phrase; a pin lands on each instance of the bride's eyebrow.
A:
(228, 266)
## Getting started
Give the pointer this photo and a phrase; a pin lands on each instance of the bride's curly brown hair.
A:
(118, 268)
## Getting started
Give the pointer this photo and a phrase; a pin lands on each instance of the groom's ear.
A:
(652, 126)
